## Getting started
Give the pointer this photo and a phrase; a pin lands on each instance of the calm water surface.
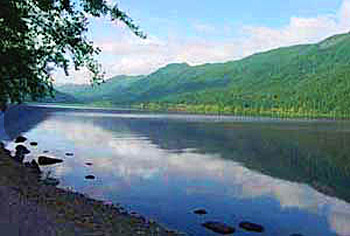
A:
(291, 176)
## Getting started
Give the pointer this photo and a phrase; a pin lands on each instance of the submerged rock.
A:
(201, 211)
(218, 227)
(88, 163)
(43, 160)
(89, 177)
(69, 154)
(33, 143)
(20, 139)
(251, 227)
(45, 151)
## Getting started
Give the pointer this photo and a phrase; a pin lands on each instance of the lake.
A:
(291, 176)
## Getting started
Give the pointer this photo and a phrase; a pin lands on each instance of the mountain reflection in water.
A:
(164, 166)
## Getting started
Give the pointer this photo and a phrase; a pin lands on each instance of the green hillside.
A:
(59, 97)
(311, 80)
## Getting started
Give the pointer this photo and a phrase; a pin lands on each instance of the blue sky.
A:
(209, 31)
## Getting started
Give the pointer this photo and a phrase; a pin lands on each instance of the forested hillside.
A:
(305, 79)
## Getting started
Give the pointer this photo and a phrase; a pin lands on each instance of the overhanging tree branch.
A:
(39, 35)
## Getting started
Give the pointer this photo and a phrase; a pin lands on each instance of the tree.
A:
(37, 36)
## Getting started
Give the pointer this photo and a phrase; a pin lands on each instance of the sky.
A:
(208, 31)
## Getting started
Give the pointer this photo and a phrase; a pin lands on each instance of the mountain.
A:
(60, 97)
(104, 92)
(313, 78)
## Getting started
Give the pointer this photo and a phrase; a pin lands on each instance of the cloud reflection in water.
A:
(132, 158)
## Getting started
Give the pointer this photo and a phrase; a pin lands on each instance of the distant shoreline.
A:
(174, 110)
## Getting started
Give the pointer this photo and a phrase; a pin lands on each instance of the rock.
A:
(89, 177)
(51, 181)
(69, 154)
(7, 152)
(19, 157)
(21, 149)
(218, 227)
(200, 211)
(4, 150)
(251, 227)
(20, 139)
(43, 160)
(35, 166)
(33, 143)
(88, 163)
(328, 190)
(296, 235)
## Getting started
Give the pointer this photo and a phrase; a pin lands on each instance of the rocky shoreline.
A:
(31, 207)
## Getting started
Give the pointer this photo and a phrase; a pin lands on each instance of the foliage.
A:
(37, 36)
(305, 80)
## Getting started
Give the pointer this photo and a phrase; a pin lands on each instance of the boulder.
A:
(89, 177)
(200, 211)
(33, 143)
(252, 227)
(20, 139)
(218, 227)
(44, 160)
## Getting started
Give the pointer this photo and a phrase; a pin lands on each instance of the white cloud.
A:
(298, 31)
(204, 28)
(82, 76)
(344, 15)
(132, 55)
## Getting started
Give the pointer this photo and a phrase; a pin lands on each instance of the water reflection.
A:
(166, 167)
